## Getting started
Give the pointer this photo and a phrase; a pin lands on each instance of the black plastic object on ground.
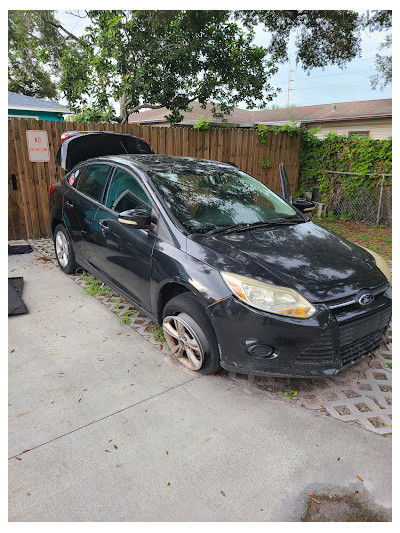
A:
(16, 305)
(19, 249)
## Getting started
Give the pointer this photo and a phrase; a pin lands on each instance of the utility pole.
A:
(288, 86)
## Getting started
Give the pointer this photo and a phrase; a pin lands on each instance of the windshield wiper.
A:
(237, 228)
(219, 229)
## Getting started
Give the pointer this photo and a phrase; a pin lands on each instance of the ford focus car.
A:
(237, 276)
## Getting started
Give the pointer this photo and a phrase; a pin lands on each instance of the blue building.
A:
(21, 106)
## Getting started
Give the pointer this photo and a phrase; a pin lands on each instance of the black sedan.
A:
(237, 276)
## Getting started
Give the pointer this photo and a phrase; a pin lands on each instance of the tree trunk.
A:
(123, 104)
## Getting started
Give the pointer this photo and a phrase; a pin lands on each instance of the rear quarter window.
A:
(91, 180)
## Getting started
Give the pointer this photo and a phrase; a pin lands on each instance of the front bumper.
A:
(318, 346)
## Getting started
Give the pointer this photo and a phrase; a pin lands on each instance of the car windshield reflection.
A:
(204, 200)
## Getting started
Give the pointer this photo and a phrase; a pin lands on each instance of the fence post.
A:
(380, 201)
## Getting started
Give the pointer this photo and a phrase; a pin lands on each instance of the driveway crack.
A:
(105, 417)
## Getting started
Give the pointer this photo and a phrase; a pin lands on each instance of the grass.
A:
(127, 315)
(158, 333)
(94, 286)
(376, 238)
(290, 393)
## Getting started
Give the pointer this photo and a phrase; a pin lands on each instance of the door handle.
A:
(69, 204)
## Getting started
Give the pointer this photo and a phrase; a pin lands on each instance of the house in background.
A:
(239, 118)
(368, 118)
(21, 106)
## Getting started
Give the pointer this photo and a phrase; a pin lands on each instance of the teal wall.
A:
(43, 115)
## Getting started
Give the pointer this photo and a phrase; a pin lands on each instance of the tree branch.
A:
(60, 27)
(144, 106)
(78, 15)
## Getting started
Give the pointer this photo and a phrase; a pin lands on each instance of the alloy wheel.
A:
(181, 337)
(62, 249)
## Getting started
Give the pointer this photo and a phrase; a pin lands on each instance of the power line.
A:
(330, 85)
(311, 77)
(341, 73)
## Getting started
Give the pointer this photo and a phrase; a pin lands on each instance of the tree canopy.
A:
(153, 59)
(381, 21)
(35, 46)
(322, 37)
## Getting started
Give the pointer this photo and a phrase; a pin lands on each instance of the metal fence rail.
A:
(369, 204)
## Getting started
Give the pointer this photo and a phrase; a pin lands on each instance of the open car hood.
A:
(85, 145)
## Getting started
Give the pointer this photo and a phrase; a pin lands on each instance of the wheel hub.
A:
(183, 341)
(61, 248)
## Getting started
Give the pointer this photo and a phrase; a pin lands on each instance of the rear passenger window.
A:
(92, 180)
(125, 193)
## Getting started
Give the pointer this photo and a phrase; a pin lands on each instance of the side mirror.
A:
(303, 205)
(135, 218)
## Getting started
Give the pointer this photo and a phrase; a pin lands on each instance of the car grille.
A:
(353, 341)
(320, 351)
(357, 338)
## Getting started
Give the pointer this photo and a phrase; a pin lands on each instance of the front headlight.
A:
(381, 264)
(271, 298)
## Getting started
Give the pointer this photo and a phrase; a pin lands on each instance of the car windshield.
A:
(206, 199)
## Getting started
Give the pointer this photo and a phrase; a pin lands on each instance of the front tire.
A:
(63, 249)
(190, 335)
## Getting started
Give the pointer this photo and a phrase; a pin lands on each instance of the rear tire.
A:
(190, 335)
(63, 250)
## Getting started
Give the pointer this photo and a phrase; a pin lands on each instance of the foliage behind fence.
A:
(28, 183)
(347, 175)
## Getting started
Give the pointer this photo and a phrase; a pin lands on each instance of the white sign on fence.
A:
(38, 146)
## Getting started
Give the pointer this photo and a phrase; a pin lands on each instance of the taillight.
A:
(51, 189)
(146, 141)
(68, 134)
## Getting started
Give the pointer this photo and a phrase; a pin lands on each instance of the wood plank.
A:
(185, 141)
(22, 179)
(16, 205)
(29, 178)
(169, 145)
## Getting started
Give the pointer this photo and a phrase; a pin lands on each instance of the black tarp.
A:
(16, 305)
(14, 249)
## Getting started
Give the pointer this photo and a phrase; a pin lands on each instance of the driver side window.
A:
(125, 193)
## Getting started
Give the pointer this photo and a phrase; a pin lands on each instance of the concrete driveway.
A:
(103, 427)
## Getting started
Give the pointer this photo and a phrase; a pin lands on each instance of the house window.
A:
(355, 134)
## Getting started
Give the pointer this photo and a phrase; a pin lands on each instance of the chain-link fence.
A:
(371, 205)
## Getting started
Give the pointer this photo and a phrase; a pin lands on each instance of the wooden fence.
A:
(28, 183)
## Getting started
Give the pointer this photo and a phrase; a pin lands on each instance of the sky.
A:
(322, 86)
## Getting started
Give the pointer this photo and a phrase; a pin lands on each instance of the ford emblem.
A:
(366, 298)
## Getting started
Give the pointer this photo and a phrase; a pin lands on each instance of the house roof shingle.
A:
(306, 114)
(20, 101)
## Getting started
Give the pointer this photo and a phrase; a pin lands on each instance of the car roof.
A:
(161, 163)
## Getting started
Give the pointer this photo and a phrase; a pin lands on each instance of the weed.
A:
(127, 315)
(290, 393)
(118, 305)
(389, 365)
(158, 333)
(94, 286)
(265, 163)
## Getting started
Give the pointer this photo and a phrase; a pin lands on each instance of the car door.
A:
(125, 254)
(80, 205)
